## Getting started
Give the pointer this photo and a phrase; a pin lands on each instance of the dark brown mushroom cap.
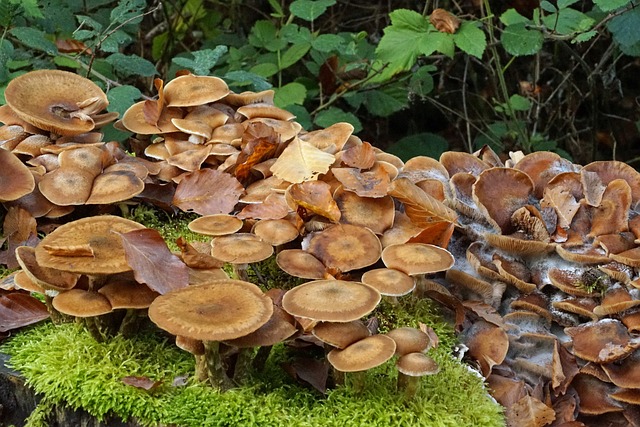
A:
(417, 365)
(615, 300)
(240, 248)
(81, 303)
(16, 179)
(300, 263)
(345, 247)
(417, 258)
(126, 294)
(100, 233)
(364, 354)
(602, 342)
(341, 334)
(595, 395)
(625, 373)
(409, 340)
(191, 345)
(47, 99)
(47, 278)
(389, 281)
(331, 300)
(215, 311)
(279, 327)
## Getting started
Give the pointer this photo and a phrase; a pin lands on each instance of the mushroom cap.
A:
(541, 167)
(100, 233)
(300, 263)
(376, 214)
(215, 225)
(275, 231)
(602, 342)
(215, 311)
(191, 345)
(365, 354)
(115, 186)
(331, 300)
(345, 247)
(417, 365)
(47, 278)
(67, 186)
(45, 99)
(16, 179)
(240, 248)
(389, 281)
(625, 373)
(341, 334)
(190, 90)
(277, 329)
(417, 258)
(409, 340)
(81, 303)
(126, 294)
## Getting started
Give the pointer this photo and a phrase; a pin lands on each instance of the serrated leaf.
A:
(518, 40)
(420, 207)
(122, 97)
(437, 41)
(386, 101)
(625, 27)
(31, 8)
(519, 103)
(566, 3)
(291, 93)
(327, 42)
(115, 41)
(511, 16)
(547, 6)
(87, 21)
(203, 60)
(568, 21)
(399, 48)
(131, 65)
(292, 55)
(609, 5)
(301, 161)
(584, 37)
(310, 10)
(265, 69)
(128, 11)
(409, 19)
(35, 39)
(152, 262)
(334, 115)
(419, 144)
(421, 82)
(255, 81)
(470, 39)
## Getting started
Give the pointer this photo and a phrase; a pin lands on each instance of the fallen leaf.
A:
(273, 207)
(152, 262)
(208, 192)
(421, 208)
(141, 382)
(19, 309)
(152, 109)
(301, 161)
(72, 46)
(70, 250)
(564, 204)
(311, 371)
(444, 21)
(19, 228)
(372, 183)
(314, 196)
(194, 258)
(529, 412)
(360, 156)
(437, 233)
(259, 143)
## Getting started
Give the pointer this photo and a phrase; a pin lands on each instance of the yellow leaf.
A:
(301, 161)
(419, 206)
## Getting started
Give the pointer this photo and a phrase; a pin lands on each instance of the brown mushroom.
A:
(345, 247)
(411, 367)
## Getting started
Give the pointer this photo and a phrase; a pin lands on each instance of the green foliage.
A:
(66, 365)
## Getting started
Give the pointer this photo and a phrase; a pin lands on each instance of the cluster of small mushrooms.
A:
(535, 257)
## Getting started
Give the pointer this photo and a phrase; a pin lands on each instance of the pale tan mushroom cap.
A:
(81, 303)
(341, 334)
(16, 179)
(409, 340)
(215, 225)
(300, 263)
(100, 233)
(47, 278)
(275, 231)
(417, 258)
(45, 99)
(125, 294)
(364, 354)
(417, 365)
(331, 300)
(389, 281)
(346, 247)
(215, 311)
(240, 248)
(191, 90)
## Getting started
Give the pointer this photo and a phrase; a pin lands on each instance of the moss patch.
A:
(66, 365)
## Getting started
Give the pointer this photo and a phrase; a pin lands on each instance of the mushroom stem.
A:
(260, 359)
(215, 368)
(338, 377)
(357, 380)
(91, 324)
(408, 385)
(243, 365)
(201, 368)
(129, 325)
(55, 316)
(240, 272)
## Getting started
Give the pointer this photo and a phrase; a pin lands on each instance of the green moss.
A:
(66, 365)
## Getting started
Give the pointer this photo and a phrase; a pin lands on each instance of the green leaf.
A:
(547, 6)
(35, 39)
(399, 48)
(583, 37)
(625, 27)
(309, 10)
(265, 69)
(568, 21)
(409, 20)
(64, 62)
(609, 5)
(333, 115)
(421, 82)
(435, 41)
(511, 17)
(31, 8)
(243, 78)
(328, 43)
(289, 94)
(122, 97)
(387, 101)
(131, 65)
(294, 34)
(203, 60)
(264, 35)
(302, 115)
(115, 41)
(277, 9)
(566, 3)
(292, 55)
(518, 40)
(470, 39)
(129, 11)
(88, 22)
(519, 103)
(420, 144)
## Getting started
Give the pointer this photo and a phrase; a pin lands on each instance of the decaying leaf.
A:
(488, 344)
(72, 46)
(194, 258)
(152, 109)
(529, 412)
(152, 261)
(69, 250)
(144, 383)
(273, 207)
(444, 21)
(19, 228)
(360, 156)
(314, 196)
(421, 208)
(259, 142)
(437, 233)
(311, 371)
(208, 192)
(371, 183)
(19, 309)
(301, 161)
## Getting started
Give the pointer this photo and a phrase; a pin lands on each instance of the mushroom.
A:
(130, 296)
(212, 312)
(215, 225)
(411, 367)
(240, 249)
(389, 282)
(417, 259)
(86, 305)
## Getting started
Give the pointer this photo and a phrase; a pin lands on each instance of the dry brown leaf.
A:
(20, 309)
(301, 161)
(152, 262)
(529, 412)
(193, 258)
(259, 143)
(208, 192)
(437, 233)
(273, 207)
(592, 186)
(69, 250)
(372, 183)
(314, 196)
(564, 204)
(144, 383)
(361, 156)
(444, 21)
(488, 344)
(421, 208)
(72, 46)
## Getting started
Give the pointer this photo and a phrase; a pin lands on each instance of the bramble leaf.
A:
(34, 39)
(131, 65)
(609, 5)
(470, 39)
(518, 40)
(291, 93)
(309, 10)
